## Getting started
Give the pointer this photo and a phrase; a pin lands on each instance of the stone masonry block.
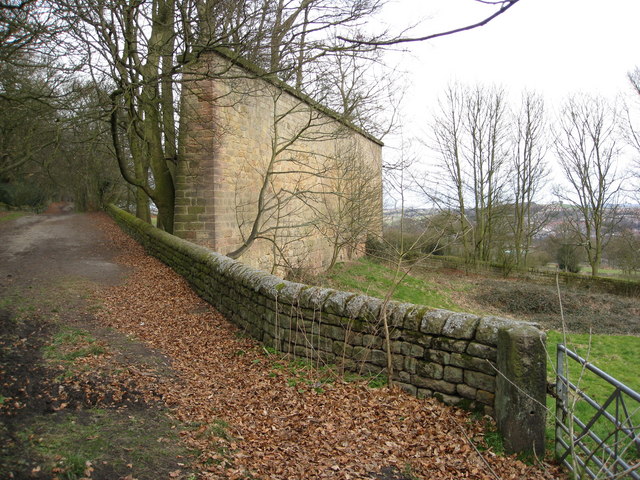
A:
(468, 362)
(290, 292)
(371, 310)
(487, 331)
(372, 341)
(438, 356)
(485, 397)
(413, 318)
(434, 385)
(452, 400)
(449, 344)
(378, 357)
(433, 321)
(411, 350)
(331, 319)
(336, 303)
(410, 389)
(482, 351)
(361, 353)
(460, 326)
(480, 380)
(270, 286)
(429, 370)
(410, 364)
(396, 346)
(417, 338)
(424, 393)
(313, 298)
(341, 349)
(355, 305)
(466, 391)
(453, 374)
(396, 312)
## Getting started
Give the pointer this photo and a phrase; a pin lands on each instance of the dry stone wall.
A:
(452, 356)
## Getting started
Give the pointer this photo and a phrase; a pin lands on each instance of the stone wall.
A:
(246, 134)
(452, 356)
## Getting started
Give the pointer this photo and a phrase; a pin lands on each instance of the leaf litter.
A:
(246, 419)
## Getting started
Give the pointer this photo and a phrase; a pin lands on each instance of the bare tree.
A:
(631, 130)
(470, 135)
(623, 251)
(529, 174)
(587, 149)
(27, 28)
(450, 188)
(359, 87)
(143, 49)
(28, 126)
(349, 202)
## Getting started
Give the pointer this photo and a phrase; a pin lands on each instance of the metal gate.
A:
(605, 443)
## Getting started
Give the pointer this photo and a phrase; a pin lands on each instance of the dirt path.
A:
(70, 406)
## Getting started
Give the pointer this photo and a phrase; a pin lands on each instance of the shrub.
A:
(568, 258)
(22, 195)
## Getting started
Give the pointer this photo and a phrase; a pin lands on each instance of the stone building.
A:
(268, 175)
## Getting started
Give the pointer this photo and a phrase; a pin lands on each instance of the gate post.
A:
(521, 386)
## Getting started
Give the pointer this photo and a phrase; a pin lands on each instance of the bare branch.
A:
(504, 6)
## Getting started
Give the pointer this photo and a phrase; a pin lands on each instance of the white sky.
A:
(554, 47)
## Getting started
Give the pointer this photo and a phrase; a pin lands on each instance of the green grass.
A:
(121, 442)
(374, 279)
(617, 356)
(5, 217)
(304, 375)
(70, 344)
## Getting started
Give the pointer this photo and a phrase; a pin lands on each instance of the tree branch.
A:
(506, 5)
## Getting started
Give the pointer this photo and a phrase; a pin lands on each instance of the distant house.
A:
(269, 175)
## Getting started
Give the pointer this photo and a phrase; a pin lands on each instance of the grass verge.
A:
(372, 278)
(7, 216)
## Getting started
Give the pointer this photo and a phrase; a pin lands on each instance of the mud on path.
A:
(71, 389)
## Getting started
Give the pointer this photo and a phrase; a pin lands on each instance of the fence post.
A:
(521, 385)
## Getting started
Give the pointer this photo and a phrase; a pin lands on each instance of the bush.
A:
(22, 195)
(375, 248)
(568, 258)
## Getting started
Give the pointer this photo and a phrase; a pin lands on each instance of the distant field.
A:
(585, 270)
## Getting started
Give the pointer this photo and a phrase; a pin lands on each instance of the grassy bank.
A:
(375, 279)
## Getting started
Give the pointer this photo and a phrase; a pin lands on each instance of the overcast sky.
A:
(554, 47)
